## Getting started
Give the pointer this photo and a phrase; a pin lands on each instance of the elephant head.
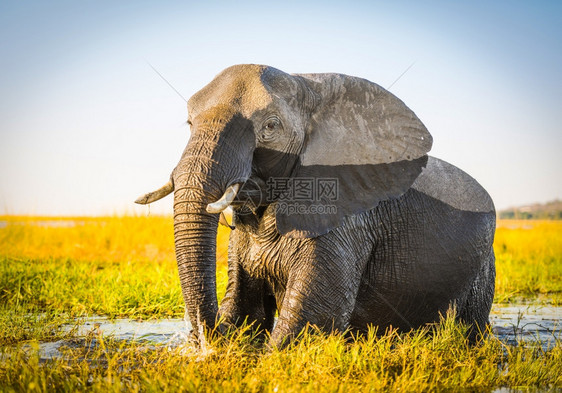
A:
(257, 122)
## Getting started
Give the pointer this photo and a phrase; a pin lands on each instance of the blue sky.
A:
(86, 125)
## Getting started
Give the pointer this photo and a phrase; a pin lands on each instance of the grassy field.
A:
(54, 271)
(529, 261)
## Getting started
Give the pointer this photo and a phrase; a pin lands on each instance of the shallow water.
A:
(157, 331)
(513, 324)
(172, 332)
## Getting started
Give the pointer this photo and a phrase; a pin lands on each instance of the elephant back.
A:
(454, 187)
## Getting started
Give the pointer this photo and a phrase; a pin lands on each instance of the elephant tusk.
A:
(225, 217)
(225, 200)
(156, 195)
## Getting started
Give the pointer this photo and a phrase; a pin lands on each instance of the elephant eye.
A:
(271, 124)
(269, 130)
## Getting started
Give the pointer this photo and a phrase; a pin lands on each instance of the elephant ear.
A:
(363, 145)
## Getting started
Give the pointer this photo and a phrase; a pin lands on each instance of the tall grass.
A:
(529, 261)
(53, 271)
(428, 359)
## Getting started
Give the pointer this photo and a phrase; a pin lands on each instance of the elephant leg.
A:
(247, 300)
(320, 291)
(476, 308)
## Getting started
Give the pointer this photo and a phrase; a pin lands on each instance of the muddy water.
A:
(513, 324)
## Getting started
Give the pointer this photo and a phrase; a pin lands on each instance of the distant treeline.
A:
(546, 211)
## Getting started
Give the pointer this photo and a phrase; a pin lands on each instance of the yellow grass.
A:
(529, 260)
(116, 266)
(116, 238)
(528, 254)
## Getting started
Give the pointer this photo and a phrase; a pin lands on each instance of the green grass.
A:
(52, 274)
(114, 266)
(23, 323)
(129, 289)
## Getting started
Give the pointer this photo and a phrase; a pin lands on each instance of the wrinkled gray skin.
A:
(412, 235)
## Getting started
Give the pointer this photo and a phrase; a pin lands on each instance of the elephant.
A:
(341, 219)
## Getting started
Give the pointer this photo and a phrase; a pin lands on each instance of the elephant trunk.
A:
(217, 158)
(195, 233)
